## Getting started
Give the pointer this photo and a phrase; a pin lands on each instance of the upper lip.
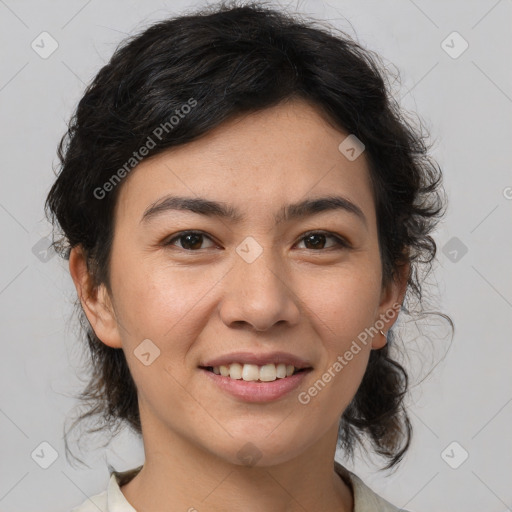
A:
(257, 359)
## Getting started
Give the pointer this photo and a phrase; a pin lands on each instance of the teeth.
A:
(235, 371)
(268, 373)
(253, 372)
(249, 372)
(281, 371)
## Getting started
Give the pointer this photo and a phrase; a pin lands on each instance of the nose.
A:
(259, 294)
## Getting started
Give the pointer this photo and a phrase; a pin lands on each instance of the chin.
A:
(258, 449)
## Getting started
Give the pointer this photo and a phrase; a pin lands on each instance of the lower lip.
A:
(254, 391)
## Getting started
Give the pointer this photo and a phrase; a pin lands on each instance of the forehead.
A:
(254, 162)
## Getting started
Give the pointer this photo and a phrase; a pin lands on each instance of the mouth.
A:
(256, 384)
(256, 377)
(256, 373)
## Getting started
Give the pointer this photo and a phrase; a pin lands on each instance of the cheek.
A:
(160, 302)
(344, 304)
(168, 306)
(345, 301)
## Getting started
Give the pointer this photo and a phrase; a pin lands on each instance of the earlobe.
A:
(379, 340)
(95, 300)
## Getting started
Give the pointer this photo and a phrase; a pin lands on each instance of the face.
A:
(270, 286)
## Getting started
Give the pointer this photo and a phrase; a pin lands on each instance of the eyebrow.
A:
(289, 212)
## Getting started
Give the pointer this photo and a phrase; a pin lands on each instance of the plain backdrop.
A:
(459, 84)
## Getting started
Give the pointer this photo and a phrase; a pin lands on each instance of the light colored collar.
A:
(365, 500)
(116, 501)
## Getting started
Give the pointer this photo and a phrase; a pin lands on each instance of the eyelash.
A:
(340, 242)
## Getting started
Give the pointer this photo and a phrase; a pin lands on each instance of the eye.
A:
(190, 240)
(316, 239)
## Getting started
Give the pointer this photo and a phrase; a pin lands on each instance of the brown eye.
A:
(189, 240)
(317, 239)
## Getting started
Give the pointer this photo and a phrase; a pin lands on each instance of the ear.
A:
(95, 300)
(392, 297)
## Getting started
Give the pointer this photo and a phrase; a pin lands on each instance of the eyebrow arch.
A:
(289, 212)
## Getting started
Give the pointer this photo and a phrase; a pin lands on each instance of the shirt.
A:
(113, 500)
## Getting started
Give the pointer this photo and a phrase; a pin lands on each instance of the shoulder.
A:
(365, 500)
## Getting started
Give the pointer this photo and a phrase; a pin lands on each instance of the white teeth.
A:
(250, 372)
(253, 372)
(235, 371)
(268, 373)
(281, 371)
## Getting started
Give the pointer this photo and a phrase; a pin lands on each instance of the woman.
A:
(245, 213)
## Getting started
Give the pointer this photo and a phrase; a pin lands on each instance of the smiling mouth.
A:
(254, 373)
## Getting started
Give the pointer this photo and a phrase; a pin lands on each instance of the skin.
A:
(312, 302)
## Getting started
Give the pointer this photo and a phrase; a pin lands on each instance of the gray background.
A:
(466, 103)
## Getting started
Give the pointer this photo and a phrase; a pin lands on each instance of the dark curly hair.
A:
(234, 58)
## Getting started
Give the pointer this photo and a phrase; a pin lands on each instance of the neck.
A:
(180, 473)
